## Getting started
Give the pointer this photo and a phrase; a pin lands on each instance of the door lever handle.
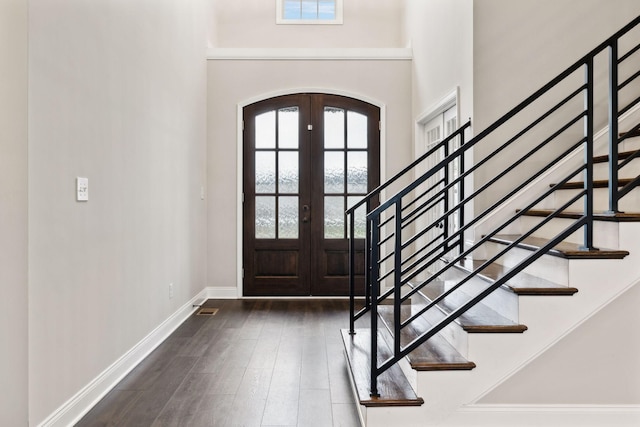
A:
(306, 213)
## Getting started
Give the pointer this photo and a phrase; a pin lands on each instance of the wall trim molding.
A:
(310, 54)
(224, 292)
(85, 399)
(549, 408)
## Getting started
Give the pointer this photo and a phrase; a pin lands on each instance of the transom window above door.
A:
(309, 11)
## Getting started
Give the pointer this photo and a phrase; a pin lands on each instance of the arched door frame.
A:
(240, 155)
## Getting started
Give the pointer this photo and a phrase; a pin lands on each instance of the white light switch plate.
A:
(82, 189)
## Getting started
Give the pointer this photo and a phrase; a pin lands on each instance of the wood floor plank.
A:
(314, 408)
(254, 363)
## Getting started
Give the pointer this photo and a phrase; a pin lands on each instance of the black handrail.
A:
(392, 256)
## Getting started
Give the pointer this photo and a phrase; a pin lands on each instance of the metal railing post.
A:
(588, 153)
(375, 291)
(352, 274)
(461, 195)
(613, 127)
(445, 170)
(367, 260)
(397, 285)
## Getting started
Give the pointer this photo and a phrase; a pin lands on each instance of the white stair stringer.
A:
(450, 396)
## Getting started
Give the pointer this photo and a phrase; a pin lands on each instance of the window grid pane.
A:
(265, 217)
(309, 10)
(288, 217)
(334, 217)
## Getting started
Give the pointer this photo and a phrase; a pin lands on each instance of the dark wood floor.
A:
(254, 363)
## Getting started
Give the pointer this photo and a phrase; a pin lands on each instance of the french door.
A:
(433, 132)
(306, 159)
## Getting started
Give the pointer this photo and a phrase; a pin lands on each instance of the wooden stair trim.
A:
(563, 249)
(601, 183)
(630, 134)
(598, 216)
(621, 156)
(478, 319)
(522, 284)
(393, 386)
(436, 354)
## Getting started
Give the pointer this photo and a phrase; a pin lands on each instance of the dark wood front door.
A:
(307, 158)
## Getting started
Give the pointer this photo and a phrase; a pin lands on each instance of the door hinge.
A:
(380, 125)
(243, 125)
(243, 272)
(242, 197)
(309, 127)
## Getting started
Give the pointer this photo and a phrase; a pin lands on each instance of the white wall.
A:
(252, 23)
(440, 33)
(13, 213)
(593, 365)
(118, 95)
(519, 46)
(387, 82)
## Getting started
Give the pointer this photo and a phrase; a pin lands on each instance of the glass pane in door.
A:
(333, 127)
(288, 127)
(334, 217)
(357, 172)
(334, 172)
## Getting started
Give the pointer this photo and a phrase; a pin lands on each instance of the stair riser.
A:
(629, 144)
(502, 300)
(453, 333)
(605, 233)
(404, 364)
(631, 170)
(552, 268)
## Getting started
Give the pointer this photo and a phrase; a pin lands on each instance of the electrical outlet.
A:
(170, 290)
(82, 189)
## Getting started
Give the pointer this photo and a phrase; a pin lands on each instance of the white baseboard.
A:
(546, 415)
(226, 292)
(75, 408)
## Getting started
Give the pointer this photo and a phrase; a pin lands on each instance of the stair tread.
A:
(478, 319)
(522, 284)
(393, 386)
(598, 183)
(563, 249)
(599, 216)
(605, 158)
(436, 354)
(633, 133)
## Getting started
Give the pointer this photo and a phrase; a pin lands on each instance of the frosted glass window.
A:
(288, 217)
(266, 130)
(360, 224)
(288, 172)
(288, 127)
(356, 130)
(309, 11)
(265, 217)
(265, 172)
(334, 216)
(334, 172)
(357, 172)
(333, 127)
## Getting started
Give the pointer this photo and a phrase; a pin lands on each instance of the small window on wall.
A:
(309, 11)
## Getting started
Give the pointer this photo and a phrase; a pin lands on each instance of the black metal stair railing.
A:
(409, 242)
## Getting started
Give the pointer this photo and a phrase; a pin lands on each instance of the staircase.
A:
(456, 304)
